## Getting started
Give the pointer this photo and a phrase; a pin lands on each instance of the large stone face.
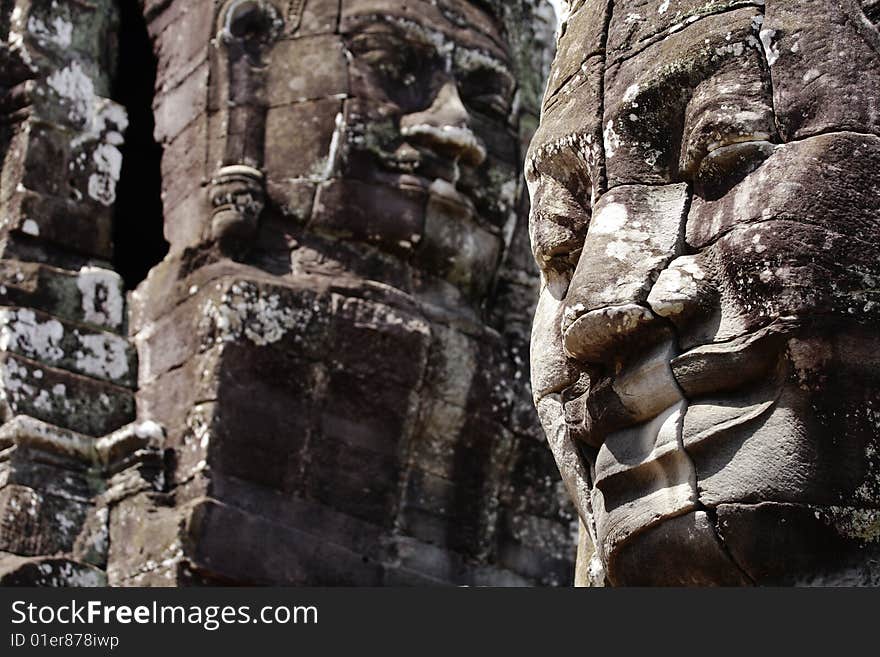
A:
(324, 382)
(705, 216)
(335, 342)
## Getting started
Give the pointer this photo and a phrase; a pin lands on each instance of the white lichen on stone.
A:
(853, 523)
(610, 219)
(107, 159)
(16, 389)
(323, 169)
(58, 32)
(771, 51)
(102, 301)
(244, 311)
(103, 356)
(469, 59)
(612, 140)
(22, 332)
(677, 287)
(74, 85)
(101, 121)
(149, 430)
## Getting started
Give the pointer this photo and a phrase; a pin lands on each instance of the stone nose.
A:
(635, 232)
(601, 336)
(444, 127)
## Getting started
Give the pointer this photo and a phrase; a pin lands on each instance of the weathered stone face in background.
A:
(705, 215)
(429, 125)
(336, 341)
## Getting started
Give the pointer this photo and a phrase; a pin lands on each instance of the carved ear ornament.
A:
(237, 197)
(294, 15)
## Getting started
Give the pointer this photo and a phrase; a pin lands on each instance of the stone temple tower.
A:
(324, 380)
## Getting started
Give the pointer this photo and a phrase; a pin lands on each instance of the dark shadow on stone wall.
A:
(137, 227)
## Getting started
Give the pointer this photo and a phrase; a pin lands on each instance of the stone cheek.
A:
(830, 212)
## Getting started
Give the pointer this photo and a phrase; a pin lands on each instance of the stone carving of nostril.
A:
(594, 337)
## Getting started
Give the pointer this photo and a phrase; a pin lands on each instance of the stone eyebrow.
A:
(401, 27)
(475, 58)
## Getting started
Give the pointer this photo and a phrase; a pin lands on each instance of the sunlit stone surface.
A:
(706, 211)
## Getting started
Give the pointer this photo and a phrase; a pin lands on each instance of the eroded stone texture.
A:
(336, 341)
(67, 369)
(705, 218)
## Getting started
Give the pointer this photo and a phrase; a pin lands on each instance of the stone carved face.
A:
(429, 132)
(706, 207)
(394, 134)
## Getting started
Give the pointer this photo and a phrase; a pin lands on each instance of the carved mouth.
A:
(440, 181)
(459, 144)
(630, 426)
(430, 162)
(643, 389)
(634, 395)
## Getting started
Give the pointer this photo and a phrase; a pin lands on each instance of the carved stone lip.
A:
(636, 394)
(639, 390)
(447, 192)
(425, 163)
(439, 190)
(725, 367)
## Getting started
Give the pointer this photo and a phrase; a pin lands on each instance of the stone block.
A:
(178, 107)
(63, 398)
(62, 345)
(301, 140)
(33, 523)
(92, 296)
(307, 68)
(56, 572)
